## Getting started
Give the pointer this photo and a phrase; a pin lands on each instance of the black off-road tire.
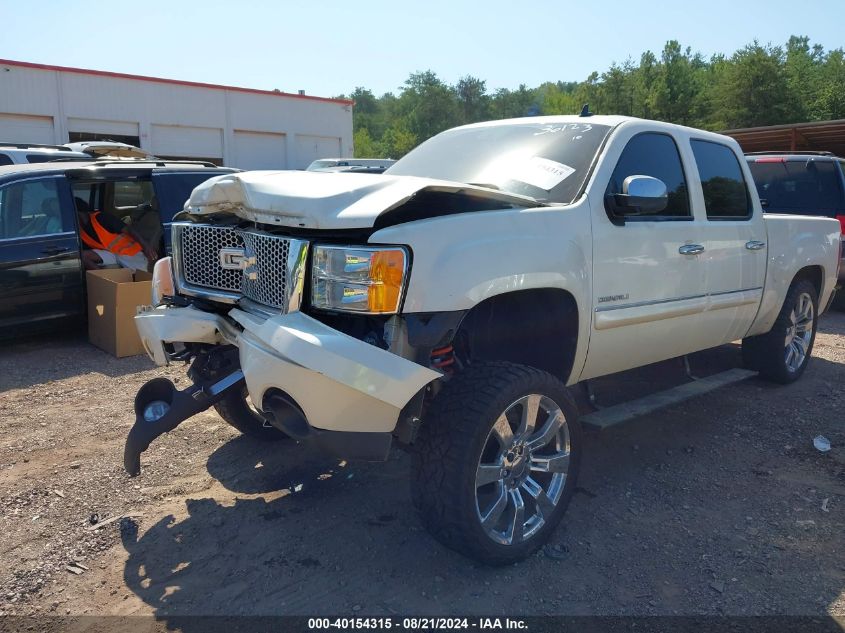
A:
(446, 453)
(235, 410)
(766, 353)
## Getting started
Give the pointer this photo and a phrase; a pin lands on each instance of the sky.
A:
(328, 48)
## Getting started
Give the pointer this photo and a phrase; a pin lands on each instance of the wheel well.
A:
(814, 275)
(538, 328)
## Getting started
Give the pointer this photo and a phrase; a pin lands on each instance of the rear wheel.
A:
(782, 354)
(236, 409)
(495, 464)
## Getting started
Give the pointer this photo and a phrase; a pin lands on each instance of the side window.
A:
(30, 208)
(5, 159)
(725, 192)
(656, 155)
(131, 193)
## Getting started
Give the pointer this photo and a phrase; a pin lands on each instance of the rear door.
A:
(735, 247)
(41, 273)
(172, 190)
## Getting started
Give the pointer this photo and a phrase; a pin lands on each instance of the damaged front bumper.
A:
(349, 392)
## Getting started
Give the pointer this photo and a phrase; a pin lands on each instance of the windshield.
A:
(546, 161)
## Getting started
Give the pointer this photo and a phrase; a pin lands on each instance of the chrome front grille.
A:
(229, 264)
(199, 248)
(271, 254)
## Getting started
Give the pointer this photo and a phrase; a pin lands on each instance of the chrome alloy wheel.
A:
(522, 470)
(799, 333)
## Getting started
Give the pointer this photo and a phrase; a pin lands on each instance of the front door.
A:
(40, 267)
(649, 283)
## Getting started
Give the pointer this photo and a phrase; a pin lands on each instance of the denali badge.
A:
(613, 298)
(232, 258)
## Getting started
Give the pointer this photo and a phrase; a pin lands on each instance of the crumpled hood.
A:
(318, 200)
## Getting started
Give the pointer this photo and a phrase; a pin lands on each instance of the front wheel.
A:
(495, 464)
(782, 354)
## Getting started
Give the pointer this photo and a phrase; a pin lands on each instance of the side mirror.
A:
(641, 195)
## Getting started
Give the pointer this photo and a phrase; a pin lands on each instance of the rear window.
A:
(174, 189)
(803, 187)
(43, 158)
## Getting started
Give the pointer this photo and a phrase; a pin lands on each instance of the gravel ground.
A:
(718, 506)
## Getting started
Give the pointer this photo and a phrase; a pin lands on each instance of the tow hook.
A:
(160, 408)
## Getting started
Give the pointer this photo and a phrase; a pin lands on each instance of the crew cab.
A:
(41, 274)
(448, 304)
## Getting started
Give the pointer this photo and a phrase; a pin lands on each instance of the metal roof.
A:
(177, 82)
(828, 136)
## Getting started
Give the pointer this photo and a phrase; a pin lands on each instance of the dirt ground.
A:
(720, 505)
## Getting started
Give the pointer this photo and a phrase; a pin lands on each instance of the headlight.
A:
(358, 279)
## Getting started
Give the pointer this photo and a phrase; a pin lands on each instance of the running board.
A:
(617, 414)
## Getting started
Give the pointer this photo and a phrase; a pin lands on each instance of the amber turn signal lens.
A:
(387, 269)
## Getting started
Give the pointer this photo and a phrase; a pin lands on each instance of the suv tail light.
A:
(841, 219)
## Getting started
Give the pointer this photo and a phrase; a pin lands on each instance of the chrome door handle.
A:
(691, 249)
(754, 245)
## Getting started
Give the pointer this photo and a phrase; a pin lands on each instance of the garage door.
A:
(310, 148)
(259, 150)
(101, 126)
(102, 130)
(181, 140)
(20, 128)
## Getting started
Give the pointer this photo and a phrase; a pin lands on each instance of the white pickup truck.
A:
(448, 304)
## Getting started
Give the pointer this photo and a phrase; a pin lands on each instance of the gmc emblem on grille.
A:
(232, 258)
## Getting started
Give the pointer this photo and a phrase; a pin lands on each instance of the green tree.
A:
(427, 106)
(364, 145)
(507, 104)
(753, 89)
(558, 98)
(473, 99)
(802, 69)
(643, 82)
(616, 91)
(397, 141)
(829, 99)
(756, 85)
(674, 90)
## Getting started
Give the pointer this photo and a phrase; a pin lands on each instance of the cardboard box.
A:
(114, 295)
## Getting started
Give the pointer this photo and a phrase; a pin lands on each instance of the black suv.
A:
(801, 183)
(41, 272)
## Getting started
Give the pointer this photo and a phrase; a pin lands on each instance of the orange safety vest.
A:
(117, 243)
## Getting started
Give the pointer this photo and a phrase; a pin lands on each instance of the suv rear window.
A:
(804, 187)
(174, 189)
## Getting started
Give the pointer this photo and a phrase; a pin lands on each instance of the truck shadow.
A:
(719, 506)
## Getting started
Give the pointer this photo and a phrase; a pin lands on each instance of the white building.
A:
(238, 127)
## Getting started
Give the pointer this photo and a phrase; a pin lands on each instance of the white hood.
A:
(316, 200)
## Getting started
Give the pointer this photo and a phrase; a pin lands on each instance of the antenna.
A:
(585, 111)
